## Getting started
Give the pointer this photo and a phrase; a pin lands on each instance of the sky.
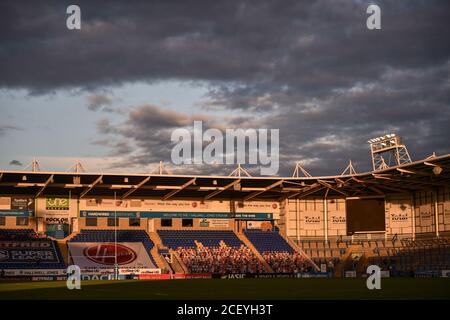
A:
(109, 95)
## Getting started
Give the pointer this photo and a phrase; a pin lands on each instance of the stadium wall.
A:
(406, 215)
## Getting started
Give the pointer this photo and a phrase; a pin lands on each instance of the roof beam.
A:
(97, 181)
(134, 188)
(254, 194)
(174, 192)
(365, 184)
(308, 193)
(414, 172)
(228, 186)
(329, 186)
(306, 189)
(421, 182)
(49, 180)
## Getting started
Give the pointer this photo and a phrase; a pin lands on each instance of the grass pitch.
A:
(270, 289)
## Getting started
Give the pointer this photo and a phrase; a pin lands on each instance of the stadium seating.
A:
(212, 251)
(31, 254)
(186, 238)
(281, 257)
(89, 235)
(268, 241)
(414, 256)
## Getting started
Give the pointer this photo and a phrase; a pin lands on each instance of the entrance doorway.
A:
(58, 231)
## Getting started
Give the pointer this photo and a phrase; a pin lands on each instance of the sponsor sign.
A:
(191, 215)
(445, 273)
(22, 203)
(34, 272)
(56, 220)
(56, 203)
(214, 223)
(335, 219)
(426, 218)
(48, 278)
(16, 213)
(385, 274)
(271, 275)
(399, 217)
(104, 254)
(124, 271)
(41, 251)
(350, 274)
(260, 225)
(312, 219)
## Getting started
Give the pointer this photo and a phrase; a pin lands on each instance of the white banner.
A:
(263, 225)
(88, 255)
(124, 271)
(34, 272)
(214, 223)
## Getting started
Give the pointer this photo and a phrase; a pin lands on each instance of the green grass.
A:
(399, 288)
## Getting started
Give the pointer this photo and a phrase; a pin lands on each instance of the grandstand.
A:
(156, 225)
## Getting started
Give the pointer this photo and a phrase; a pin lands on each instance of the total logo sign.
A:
(104, 253)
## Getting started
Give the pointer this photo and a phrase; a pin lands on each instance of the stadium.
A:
(230, 236)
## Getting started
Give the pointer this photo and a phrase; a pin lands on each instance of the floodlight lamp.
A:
(437, 170)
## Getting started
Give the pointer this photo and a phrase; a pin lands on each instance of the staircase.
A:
(62, 246)
(299, 250)
(177, 265)
(247, 242)
(160, 261)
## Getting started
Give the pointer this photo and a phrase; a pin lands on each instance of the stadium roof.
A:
(425, 174)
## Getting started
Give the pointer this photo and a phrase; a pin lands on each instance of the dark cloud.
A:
(4, 129)
(15, 163)
(310, 68)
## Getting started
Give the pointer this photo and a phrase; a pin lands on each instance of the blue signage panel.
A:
(162, 214)
(16, 213)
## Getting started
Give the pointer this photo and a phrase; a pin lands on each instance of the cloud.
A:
(4, 129)
(15, 163)
(98, 101)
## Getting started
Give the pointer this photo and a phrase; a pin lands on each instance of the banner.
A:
(259, 225)
(22, 203)
(249, 207)
(41, 251)
(189, 215)
(34, 272)
(103, 254)
(271, 275)
(16, 213)
(124, 271)
(16, 207)
(215, 223)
